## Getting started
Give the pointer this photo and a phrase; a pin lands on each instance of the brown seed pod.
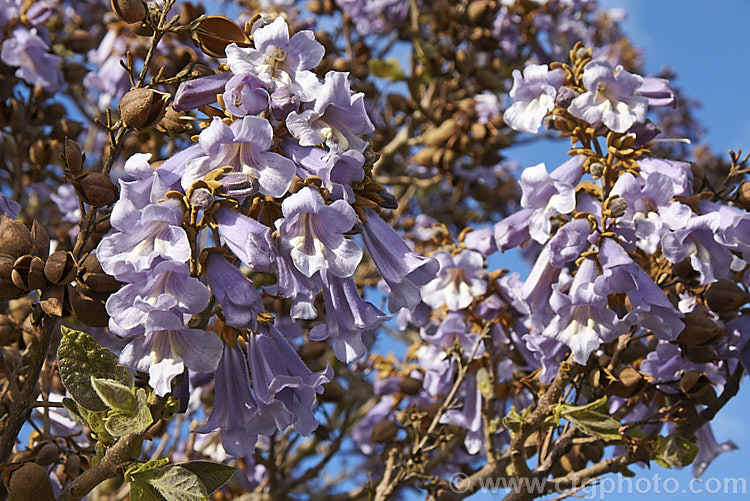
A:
(94, 278)
(40, 240)
(47, 454)
(15, 238)
(312, 350)
(72, 156)
(333, 392)
(384, 431)
(89, 308)
(7, 330)
(60, 268)
(172, 123)
(30, 483)
(28, 273)
(143, 108)
(8, 289)
(95, 189)
(724, 296)
(130, 11)
(410, 385)
(214, 33)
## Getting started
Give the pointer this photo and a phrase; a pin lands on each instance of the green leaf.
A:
(213, 475)
(141, 490)
(79, 358)
(116, 395)
(76, 411)
(674, 450)
(119, 424)
(174, 483)
(514, 421)
(386, 68)
(590, 421)
(137, 468)
(484, 384)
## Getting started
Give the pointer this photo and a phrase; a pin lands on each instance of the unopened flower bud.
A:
(596, 169)
(214, 33)
(615, 206)
(60, 268)
(130, 11)
(28, 273)
(143, 108)
(15, 238)
(95, 189)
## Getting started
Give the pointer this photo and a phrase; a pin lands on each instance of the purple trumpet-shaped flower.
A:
(338, 171)
(348, 316)
(611, 97)
(657, 91)
(168, 348)
(244, 146)
(537, 289)
(708, 449)
(569, 242)
(238, 297)
(336, 119)
(168, 286)
(666, 365)
(144, 185)
(248, 239)
(452, 328)
(10, 208)
(284, 387)
(279, 61)
(534, 95)
(362, 432)
(470, 417)
(200, 91)
(313, 234)
(141, 237)
(582, 319)
(245, 95)
(513, 230)
(27, 50)
(459, 281)
(403, 270)
(235, 412)
(481, 240)
(291, 283)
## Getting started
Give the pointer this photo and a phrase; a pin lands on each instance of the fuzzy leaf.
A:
(119, 424)
(137, 468)
(116, 395)
(674, 451)
(174, 483)
(141, 490)
(212, 475)
(79, 358)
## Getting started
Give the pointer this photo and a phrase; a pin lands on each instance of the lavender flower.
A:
(245, 95)
(534, 95)
(336, 119)
(403, 270)
(348, 316)
(313, 233)
(240, 301)
(200, 91)
(248, 239)
(244, 145)
(459, 281)
(284, 387)
(27, 50)
(362, 432)
(708, 449)
(611, 97)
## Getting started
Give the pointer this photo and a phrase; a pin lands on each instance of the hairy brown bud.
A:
(172, 123)
(214, 33)
(28, 273)
(60, 268)
(15, 238)
(143, 108)
(130, 11)
(95, 189)
(30, 483)
(615, 206)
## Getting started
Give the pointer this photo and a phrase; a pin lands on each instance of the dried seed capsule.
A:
(60, 268)
(143, 108)
(15, 238)
(30, 483)
(130, 11)
(8, 289)
(214, 33)
(72, 156)
(88, 308)
(94, 278)
(40, 239)
(172, 123)
(384, 431)
(410, 385)
(28, 273)
(47, 454)
(96, 189)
